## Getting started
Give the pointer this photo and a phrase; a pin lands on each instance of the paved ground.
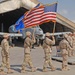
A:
(16, 59)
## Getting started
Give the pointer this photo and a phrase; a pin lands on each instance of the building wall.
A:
(7, 19)
(48, 27)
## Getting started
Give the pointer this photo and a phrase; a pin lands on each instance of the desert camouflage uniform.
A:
(47, 50)
(5, 56)
(73, 39)
(64, 47)
(27, 57)
(69, 38)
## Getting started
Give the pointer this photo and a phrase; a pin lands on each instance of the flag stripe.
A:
(40, 15)
(37, 19)
(36, 13)
(33, 15)
(36, 10)
(31, 25)
(34, 18)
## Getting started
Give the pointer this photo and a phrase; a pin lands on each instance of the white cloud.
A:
(64, 11)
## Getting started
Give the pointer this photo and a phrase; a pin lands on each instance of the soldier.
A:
(47, 43)
(70, 40)
(27, 49)
(64, 45)
(73, 39)
(5, 55)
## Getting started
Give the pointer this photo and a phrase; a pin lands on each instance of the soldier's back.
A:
(4, 41)
(63, 44)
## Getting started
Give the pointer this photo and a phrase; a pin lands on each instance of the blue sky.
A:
(65, 7)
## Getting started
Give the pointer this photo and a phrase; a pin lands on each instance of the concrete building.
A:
(9, 18)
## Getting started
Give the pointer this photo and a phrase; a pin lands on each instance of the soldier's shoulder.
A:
(4, 40)
(27, 39)
(48, 39)
(60, 42)
(63, 41)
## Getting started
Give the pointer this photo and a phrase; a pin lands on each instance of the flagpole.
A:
(54, 28)
(33, 34)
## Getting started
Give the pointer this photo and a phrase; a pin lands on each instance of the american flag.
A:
(40, 15)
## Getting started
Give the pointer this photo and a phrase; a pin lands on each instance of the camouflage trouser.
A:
(72, 51)
(69, 52)
(27, 60)
(48, 61)
(5, 62)
(65, 58)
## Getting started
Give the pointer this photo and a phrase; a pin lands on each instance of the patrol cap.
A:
(6, 35)
(47, 34)
(28, 33)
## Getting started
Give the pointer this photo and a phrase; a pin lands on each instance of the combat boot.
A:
(33, 69)
(63, 68)
(2, 72)
(23, 70)
(66, 67)
(45, 70)
(53, 69)
(10, 71)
